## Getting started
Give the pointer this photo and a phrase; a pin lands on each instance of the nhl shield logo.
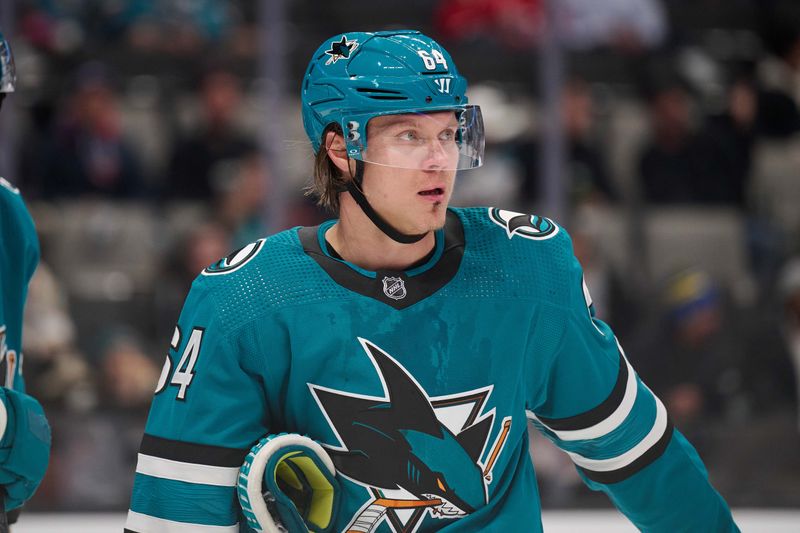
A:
(394, 288)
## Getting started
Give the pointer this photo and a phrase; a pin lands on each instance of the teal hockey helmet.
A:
(355, 77)
(8, 73)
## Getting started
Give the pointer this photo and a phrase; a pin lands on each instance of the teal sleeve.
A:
(25, 445)
(591, 403)
(19, 257)
(207, 413)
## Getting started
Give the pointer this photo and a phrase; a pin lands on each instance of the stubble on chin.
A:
(439, 210)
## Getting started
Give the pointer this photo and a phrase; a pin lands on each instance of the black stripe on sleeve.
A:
(126, 530)
(615, 476)
(189, 452)
(597, 414)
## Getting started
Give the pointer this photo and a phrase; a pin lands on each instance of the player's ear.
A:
(334, 144)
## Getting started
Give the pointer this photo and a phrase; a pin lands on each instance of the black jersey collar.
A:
(398, 289)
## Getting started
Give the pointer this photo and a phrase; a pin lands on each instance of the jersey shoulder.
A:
(17, 224)
(259, 278)
(534, 252)
(17, 230)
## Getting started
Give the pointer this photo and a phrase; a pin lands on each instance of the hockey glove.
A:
(24, 448)
(288, 483)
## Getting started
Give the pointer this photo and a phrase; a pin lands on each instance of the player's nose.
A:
(437, 156)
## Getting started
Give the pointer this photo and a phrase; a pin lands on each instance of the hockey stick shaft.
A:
(497, 447)
(3, 515)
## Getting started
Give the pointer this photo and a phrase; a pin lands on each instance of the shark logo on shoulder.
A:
(528, 226)
(417, 456)
(235, 260)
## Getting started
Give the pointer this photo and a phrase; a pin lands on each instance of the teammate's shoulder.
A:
(10, 196)
(16, 223)
(507, 228)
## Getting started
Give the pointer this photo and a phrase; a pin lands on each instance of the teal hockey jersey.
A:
(19, 255)
(420, 384)
(24, 430)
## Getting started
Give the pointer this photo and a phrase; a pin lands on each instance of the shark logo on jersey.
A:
(528, 226)
(236, 260)
(417, 456)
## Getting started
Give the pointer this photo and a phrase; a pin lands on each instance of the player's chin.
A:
(436, 217)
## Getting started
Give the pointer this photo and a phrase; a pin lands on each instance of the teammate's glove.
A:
(288, 483)
(24, 448)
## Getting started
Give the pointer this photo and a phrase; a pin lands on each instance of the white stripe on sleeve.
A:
(620, 461)
(192, 473)
(143, 523)
(606, 426)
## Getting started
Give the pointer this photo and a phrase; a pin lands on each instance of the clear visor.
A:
(437, 140)
(8, 72)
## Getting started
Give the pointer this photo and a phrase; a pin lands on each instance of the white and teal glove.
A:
(288, 483)
(24, 446)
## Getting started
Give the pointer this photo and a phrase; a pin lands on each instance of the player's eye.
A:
(408, 135)
(447, 135)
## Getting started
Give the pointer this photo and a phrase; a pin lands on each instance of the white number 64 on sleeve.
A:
(184, 372)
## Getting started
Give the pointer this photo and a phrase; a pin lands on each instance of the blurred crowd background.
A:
(152, 137)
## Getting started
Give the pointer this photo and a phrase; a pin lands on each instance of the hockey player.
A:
(25, 433)
(378, 372)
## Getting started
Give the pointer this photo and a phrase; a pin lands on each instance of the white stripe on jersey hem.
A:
(3, 419)
(621, 461)
(220, 476)
(606, 426)
(143, 523)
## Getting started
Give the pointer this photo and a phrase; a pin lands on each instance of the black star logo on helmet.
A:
(341, 50)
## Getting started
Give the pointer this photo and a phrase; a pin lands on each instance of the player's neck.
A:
(358, 241)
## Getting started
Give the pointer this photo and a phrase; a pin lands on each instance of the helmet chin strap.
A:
(354, 187)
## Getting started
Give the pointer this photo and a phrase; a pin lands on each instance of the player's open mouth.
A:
(437, 191)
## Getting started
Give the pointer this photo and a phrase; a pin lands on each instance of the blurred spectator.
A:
(90, 153)
(241, 186)
(205, 244)
(57, 373)
(172, 26)
(128, 375)
(629, 26)
(690, 357)
(611, 293)
(217, 138)
(586, 167)
(586, 174)
(789, 291)
(779, 72)
(683, 164)
(515, 23)
(733, 134)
